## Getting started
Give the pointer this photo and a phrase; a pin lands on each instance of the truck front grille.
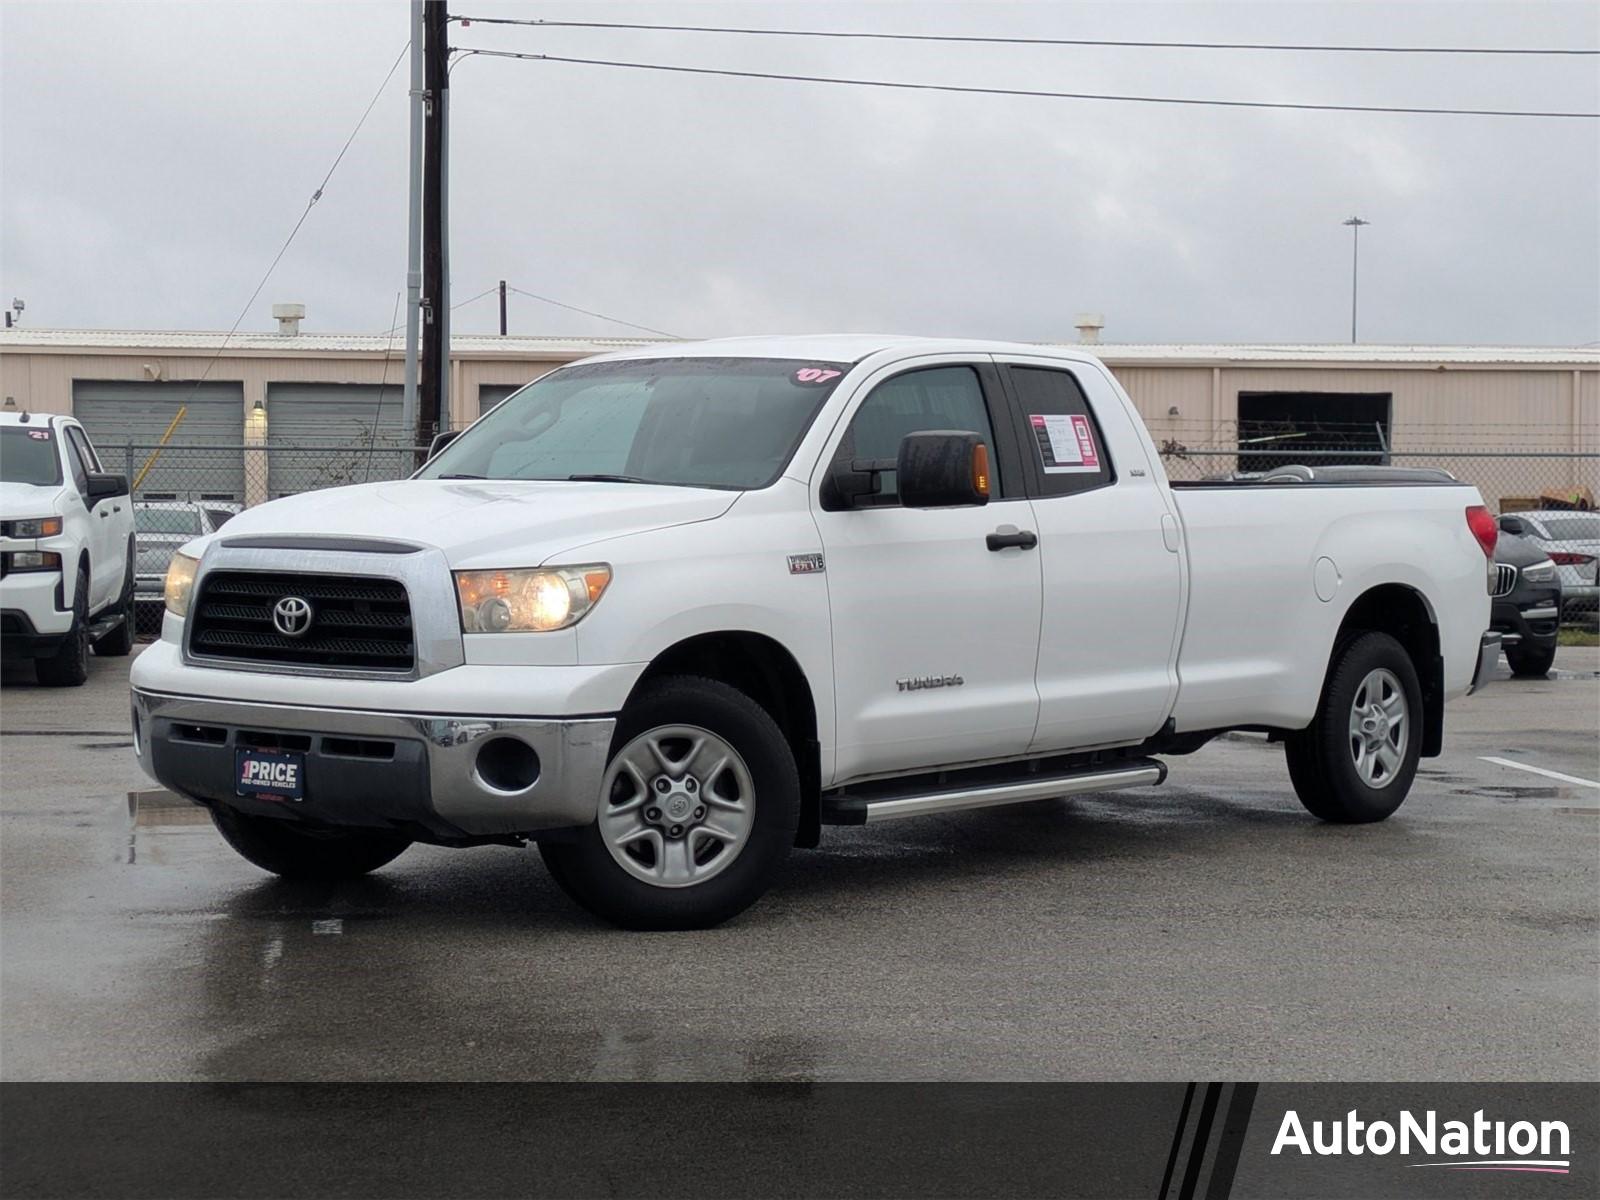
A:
(357, 621)
(1505, 579)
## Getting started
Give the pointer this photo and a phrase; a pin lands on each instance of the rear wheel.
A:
(698, 810)
(1355, 762)
(69, 665)
(1530, 662)
(295, 852)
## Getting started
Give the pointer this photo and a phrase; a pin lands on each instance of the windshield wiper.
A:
(597, 478)
(463, 477)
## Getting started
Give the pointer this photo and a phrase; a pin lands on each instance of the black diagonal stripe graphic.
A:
(1202, 1135)
(1177, 1142)
(1231, 1142)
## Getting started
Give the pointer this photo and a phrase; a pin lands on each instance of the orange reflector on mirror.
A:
(980, 469)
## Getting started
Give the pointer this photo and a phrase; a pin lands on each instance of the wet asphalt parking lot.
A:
(1208, 928)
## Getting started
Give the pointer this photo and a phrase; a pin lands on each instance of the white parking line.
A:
(1506, 762)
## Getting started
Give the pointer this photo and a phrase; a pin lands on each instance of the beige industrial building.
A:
(1514, 420)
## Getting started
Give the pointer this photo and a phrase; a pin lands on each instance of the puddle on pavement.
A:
(158, 808)
(163, 808)
(1510, 791)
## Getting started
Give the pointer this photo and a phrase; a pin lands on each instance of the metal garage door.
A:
(204, 456)
(328, 434)
(492, 395)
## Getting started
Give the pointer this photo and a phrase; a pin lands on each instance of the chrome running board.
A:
(861, 809)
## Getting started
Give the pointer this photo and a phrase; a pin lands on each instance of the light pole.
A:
(1355, 224)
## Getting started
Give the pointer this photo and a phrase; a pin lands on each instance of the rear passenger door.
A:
(1108, 548)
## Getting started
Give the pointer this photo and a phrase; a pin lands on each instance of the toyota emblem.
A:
(291, 616)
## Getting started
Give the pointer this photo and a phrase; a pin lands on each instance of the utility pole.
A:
(434, 383)
(414, 221)
(502, 308)
(1355, 224)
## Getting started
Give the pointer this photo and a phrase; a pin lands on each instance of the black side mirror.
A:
(103, 486)
(942, 468)
(1513, 525)
(441, 440)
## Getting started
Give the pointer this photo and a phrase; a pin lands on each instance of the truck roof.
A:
(838, 347)
(15, 417)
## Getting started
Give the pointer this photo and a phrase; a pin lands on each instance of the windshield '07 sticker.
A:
(816, 375)
(1066, 442)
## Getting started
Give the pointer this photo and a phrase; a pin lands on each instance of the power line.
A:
(559, 304)
(1023, 41)
(993, 91)
(588, 313)
(288, 241)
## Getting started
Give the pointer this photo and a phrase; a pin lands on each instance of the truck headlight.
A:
(180, 582)
(1540, 572)
(528, 601)
(34, 527)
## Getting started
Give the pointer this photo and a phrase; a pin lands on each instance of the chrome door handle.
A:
(1009, 536)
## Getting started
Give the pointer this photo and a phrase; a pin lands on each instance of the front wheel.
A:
(69, 665)
(698, 810)
(1355, 762)
(1530, 662)
(294, 852)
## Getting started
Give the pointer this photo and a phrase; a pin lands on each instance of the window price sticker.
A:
(1066, 442)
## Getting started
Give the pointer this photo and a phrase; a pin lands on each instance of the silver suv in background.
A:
(160, 528)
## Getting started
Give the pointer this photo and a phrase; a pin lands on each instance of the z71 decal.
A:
(806, 564)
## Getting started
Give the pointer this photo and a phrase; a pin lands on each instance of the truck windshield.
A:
(729, 423)
(28, 455)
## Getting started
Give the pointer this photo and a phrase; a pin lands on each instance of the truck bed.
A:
(1314, 549)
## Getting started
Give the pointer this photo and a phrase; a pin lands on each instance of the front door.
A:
(105, 556)
(935, 635)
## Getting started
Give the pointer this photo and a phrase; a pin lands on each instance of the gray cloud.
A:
(155, 155)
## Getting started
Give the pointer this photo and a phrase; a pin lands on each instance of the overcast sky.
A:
(154, 155)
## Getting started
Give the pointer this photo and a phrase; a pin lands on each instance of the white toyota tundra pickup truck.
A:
(667, 612)
(66, 549)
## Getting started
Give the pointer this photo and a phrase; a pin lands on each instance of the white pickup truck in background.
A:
(668, 612)
(66, 549)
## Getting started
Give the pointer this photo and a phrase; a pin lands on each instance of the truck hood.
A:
(29, 500)
(485, 523)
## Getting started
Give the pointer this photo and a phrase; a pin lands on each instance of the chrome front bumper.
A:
(378, 768)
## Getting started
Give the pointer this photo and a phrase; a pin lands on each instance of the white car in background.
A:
(1572, 540)
(66, 549)
(161, 527)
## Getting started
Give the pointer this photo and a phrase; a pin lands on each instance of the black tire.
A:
(293, 852)
(1530, 661)
(69, 665)
(1322, 758)
(586, 869)
(118, 643)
